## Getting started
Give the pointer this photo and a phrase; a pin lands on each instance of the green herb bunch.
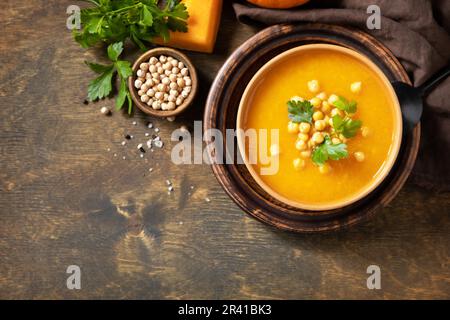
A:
(112, 22)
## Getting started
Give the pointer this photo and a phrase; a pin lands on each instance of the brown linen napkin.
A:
(417, 32)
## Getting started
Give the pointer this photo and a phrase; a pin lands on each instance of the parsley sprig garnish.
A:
(101, 86)
(140, 20)
(112, 22)
(300, 111)
(347, 126)
(345, 105)
(327, 150)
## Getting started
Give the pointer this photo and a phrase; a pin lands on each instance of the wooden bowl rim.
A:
(380, 175)
(180, 57)
(240, 189)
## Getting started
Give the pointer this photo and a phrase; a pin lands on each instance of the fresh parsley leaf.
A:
(114, 50)
(123, 68)
(101, 87)
(141, 20)
(300, 111)
(98, 68)
(345, 105)
(123, 95)
(327, 150)
(348, 127)
(146, 17)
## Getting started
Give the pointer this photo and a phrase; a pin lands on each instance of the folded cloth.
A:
(418, 33)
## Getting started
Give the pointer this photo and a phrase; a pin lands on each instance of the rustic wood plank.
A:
(65, 200)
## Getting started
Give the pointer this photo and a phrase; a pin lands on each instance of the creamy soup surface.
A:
(335, 72)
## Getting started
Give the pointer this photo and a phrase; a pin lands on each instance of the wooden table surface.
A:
(66, 200)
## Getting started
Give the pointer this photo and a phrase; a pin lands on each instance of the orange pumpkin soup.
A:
(315, 79)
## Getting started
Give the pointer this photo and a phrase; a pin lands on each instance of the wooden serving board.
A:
(221, 111)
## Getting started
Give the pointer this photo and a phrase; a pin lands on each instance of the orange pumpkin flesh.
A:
(278, 4)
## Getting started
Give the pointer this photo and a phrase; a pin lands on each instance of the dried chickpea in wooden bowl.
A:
(164, 82)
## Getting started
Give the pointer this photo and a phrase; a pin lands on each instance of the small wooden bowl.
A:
(156, 53)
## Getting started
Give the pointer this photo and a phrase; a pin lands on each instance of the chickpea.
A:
(144, 87)
(174, 93)
(335, 140)
(145, 98)
(149, 82)
(153, 60)
(165, 81)
(365, 132)
(160, 70)
(173, 86)
(180, 65)
(175, 70)
(171, 106)
(152, 68)
(320, 125)
(315, 102)
(179, 101)
(174, 63)
(313, 86)
(292, 127)
(318, 115)
(137, 84)
(184, 94)
(162, 87)
(140, 73)
(274, 150)
(184, 72)
(180, 82)
(322, 96)
(300, 145)
(304, 127)
(325, 168)
(298, 163)
(141, 92)
(162, 59)
(172, 77)
(150, 102)
(337, 112)
(156, 105)
(317, 138)
(359, 156)
(303, 136)
(325, 107)
(187, 81)
(151, 92)
(305, 154)
(187, 89)
(332, 99)
(355, 87)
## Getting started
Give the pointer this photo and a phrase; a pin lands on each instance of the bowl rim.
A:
(180, 57)
(381, 174)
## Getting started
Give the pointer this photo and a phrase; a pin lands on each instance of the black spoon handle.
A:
(434, 80)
